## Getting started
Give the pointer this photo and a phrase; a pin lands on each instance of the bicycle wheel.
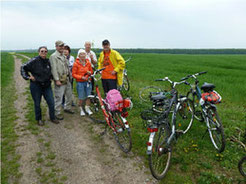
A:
(145, 93)
(160, 158)
(196, 105)
(126, 83)
(242, 166)
(95, 107)
(122, 134)
(215, 129)
(185, 115)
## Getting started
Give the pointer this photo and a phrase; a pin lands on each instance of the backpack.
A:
(212, 97)
(112, 98)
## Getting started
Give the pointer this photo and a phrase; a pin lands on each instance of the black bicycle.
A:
(163, 131)
(205, 109)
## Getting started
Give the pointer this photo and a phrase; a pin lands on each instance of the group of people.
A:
(62, 68)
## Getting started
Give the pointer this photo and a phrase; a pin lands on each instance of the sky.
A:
(125, 23)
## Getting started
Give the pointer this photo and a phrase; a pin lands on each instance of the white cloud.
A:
(137, 24)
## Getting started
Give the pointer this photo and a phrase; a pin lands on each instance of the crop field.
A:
(227, 72)
(194, 160)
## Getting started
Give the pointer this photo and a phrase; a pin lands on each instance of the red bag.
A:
(212, 97)
(126, 103)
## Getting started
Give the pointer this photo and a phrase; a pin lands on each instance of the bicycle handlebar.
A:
(193, 75)
(94, 73)
(172, 82)
(128, 59)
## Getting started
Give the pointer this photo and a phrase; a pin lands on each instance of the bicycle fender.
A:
(149, 148)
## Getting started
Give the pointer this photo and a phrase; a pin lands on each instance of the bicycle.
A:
(242, 162)
(126, 84)
(163, 132)
(115, 120)
(207, 111)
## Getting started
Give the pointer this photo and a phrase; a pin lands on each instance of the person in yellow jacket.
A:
(114, 65)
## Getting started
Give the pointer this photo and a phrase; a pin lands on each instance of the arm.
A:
(53, 68)
(25, 68)
(93, 58)
(120, 62)
(100, 61)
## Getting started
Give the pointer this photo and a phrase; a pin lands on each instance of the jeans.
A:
(37, 92)
(83, 90)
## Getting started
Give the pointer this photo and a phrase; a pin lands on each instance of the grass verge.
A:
(9, 157)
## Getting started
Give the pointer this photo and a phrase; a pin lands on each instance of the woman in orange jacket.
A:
(81, 71)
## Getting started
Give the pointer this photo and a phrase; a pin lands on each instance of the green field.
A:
(227, 72)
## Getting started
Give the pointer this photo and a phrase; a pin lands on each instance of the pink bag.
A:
(113, 97)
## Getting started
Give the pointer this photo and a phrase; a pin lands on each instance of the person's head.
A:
(59, 46)
(42, 51)
(66, 50)
(106, 45)
(87, 46)
(82, 55)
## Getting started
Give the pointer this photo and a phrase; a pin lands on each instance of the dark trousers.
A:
(37, 92)
(109, 84)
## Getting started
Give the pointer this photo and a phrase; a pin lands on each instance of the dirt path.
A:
(28, 146)
(80, 154)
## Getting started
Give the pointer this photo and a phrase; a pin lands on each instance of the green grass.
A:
(227, 72)
(9, 157)
(200, 163)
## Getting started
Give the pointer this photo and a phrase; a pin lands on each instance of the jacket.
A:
(79, 70)
(39, 68)
(59, 65)
(118, 63)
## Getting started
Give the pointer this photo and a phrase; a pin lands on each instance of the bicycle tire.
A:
(159, 162)
(144, 94)
(215, 129)
(196, 105)
(185, 115)
(242, 166)
(95, 107)
(123, 133)
(126, 83)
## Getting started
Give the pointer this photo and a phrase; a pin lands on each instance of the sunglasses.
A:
(44, 51)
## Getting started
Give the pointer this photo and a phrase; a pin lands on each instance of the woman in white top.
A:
(70, 58)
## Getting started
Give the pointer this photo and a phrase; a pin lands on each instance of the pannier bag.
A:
(212, 97)
(112, 98)
(123, 104)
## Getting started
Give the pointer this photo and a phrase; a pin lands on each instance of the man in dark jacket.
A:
(38, 71)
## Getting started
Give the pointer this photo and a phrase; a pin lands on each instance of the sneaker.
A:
(69, 111)
(40, 123)
(82, 113)
(55, 121)
(59, 117)
(87, 109)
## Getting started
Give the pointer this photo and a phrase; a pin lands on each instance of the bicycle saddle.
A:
(160, 96)
(207, 87)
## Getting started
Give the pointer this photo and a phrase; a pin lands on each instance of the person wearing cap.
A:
(38, 71)
(91, 56)
(114, 65)
(81, 71)
(62, 76)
